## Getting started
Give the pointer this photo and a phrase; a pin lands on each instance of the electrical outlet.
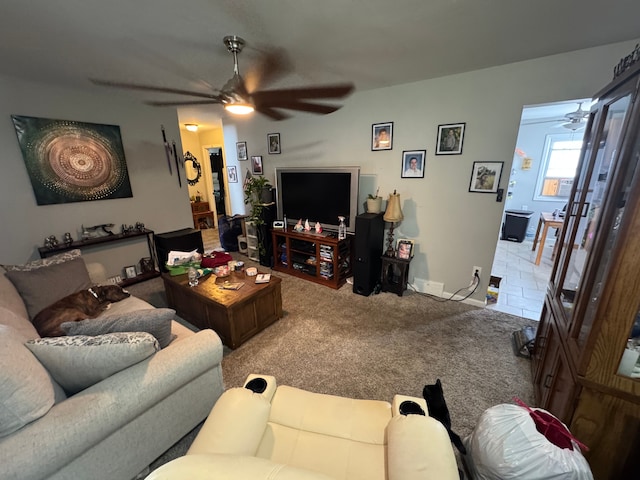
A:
(476, 269)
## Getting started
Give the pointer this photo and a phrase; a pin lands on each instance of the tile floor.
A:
(523, 283)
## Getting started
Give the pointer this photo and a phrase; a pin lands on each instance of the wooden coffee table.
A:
(235, 315)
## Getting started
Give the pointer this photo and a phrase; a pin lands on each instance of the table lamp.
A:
(392, 214)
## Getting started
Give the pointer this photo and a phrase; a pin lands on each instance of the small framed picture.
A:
(232, 174)
(241, 147)
(450, 137)
(130, 271)
(413, 163)
(273, 143)
(256, 165)
(485, 177)
(405, 248)
(382, 136)
(146, 265)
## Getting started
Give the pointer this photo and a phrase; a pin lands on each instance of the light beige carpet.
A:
(340, 343)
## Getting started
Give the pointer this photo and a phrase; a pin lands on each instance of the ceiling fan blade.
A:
(185, 102)
(151, 88)
(327, 91)
(306, 106)
(271, 113)
(272, 65)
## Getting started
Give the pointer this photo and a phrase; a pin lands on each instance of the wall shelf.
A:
(107, 239)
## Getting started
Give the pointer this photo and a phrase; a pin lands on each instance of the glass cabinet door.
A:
(584, 217)
(630, 362)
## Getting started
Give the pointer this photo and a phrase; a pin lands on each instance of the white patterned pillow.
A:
(44, 262)
(77, 362)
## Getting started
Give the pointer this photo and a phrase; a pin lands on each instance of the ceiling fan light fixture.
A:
(192, 127)
(239, 108)
(573, 125)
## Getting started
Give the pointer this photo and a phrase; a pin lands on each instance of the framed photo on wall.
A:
(273, 143)
(241, 147)
(450, 138)
(232, 174)
(382, 136)
(485, 177)
(413, 163)
(256, 165)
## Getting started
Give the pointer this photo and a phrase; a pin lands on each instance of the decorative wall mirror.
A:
(195, 165)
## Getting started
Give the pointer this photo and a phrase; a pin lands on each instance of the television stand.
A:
(319, 258)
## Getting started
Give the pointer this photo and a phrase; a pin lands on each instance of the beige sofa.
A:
(112, 429)
(284, 433)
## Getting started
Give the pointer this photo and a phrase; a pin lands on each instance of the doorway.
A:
(216, 163)
(537, 183)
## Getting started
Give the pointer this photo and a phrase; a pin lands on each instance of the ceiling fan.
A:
(237, 97)
(573, 120)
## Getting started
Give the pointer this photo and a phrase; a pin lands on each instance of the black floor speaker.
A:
(367, 252)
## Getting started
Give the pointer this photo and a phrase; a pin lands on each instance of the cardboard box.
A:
(493, 289)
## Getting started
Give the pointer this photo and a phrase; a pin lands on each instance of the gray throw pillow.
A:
(44, 286)
(156, 321)
(26, 389)
(80, 361)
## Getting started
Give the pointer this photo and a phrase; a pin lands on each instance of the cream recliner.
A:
(264, 431)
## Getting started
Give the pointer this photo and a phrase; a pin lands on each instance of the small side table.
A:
(395, 274)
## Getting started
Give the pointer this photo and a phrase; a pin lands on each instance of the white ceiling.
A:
(373, 43)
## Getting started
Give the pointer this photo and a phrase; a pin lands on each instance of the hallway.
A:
(524, 284)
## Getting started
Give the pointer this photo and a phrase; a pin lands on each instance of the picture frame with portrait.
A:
(232, 174)
(256, 165)
(382, 136)
(413, 163)
(241, 147)
(450, 138)
(485, 177)
(273, 143)
(404, 249)
(130, 271)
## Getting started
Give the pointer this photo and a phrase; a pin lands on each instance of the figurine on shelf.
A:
(140, 226)
(318, 227)
(97, 231)
(299, 227)
(307, 227)
(51, 241)
(67, 239)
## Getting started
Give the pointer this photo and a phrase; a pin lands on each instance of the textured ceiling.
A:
(372, 43)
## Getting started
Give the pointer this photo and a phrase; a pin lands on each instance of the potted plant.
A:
(256, 190)
(374, 202)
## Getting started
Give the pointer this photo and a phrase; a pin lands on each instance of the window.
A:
(560, 161)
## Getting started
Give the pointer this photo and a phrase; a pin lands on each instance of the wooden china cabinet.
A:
(585, 366)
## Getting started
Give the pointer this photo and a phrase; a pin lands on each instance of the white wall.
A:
(453, 228)
(157, 199)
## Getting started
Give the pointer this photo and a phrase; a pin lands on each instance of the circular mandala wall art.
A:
(70, 161)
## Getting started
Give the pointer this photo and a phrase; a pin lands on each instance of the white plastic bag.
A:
(506, 444)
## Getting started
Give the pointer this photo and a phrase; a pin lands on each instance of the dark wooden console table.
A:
(116, 237)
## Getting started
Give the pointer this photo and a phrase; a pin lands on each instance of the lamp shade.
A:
(393, 212)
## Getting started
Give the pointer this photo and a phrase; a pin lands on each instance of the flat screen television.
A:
(319, 194)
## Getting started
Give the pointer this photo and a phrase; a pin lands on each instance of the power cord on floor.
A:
(476, 281)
